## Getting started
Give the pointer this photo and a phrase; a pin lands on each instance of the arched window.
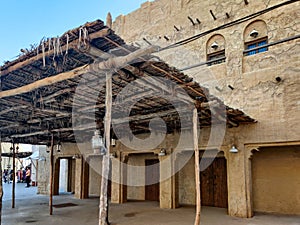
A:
(255, 38)
(215, 50)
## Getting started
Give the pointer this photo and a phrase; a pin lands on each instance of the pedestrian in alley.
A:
(23, 176)
(5, 173)
(27, 177)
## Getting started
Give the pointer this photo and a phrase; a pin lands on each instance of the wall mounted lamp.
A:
(113, 142)
(214, 45)
(254, 33)
(76, 156)
(58, 147)
(233, 149)
(162, 152)
(48, 146)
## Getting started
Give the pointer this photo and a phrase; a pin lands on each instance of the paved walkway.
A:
(33, 209)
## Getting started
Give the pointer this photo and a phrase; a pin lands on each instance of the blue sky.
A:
(26, 22)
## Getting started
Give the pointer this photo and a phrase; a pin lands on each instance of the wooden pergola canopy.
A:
(57, 87)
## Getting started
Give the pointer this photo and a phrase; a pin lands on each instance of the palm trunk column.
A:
(103, 207)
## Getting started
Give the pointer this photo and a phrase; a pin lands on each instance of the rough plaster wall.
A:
(186, 175)
(255, 90)
(135, 176)
(95, 171)
(43, 171)
(276, 180)
(94, 182)
(275, 105)
(187, 191)
(157, 18)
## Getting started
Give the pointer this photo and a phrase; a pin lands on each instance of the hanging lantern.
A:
(97, 143)
(58, 147)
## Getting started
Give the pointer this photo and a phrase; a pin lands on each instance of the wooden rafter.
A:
(73, 44)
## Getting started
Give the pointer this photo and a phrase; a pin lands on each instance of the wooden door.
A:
(152, 178)
(207, 186)
(214, 184)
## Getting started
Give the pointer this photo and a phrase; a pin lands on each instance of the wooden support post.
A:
(103, 206)
(51, 176)
(197, 167)
(14, 177)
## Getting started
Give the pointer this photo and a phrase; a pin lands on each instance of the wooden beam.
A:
(74, 128)
(30, 134)
(16, 108)
(95, 52)
(162, 90)
(103, 206)
(51, 176)
(92, 125)
(14, 177)
(115, 63)
(155, 84)
(9, 126)
(178, 80)
(57, 93)
(73, 44)
(148, 116)
(45, 82)
(197, 167)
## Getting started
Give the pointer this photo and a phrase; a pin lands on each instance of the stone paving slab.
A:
(33, 209)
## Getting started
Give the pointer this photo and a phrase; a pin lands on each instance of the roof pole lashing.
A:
(54, 48)
(44, 57)
(83, 36)
(67, 48)
(79, 38)
(49, 46)
(58, 47)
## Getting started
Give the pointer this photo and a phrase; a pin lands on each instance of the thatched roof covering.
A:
(70, 99)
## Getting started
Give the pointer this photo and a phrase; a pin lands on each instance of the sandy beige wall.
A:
(187, 190)
(276, 180)
(275, 105)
